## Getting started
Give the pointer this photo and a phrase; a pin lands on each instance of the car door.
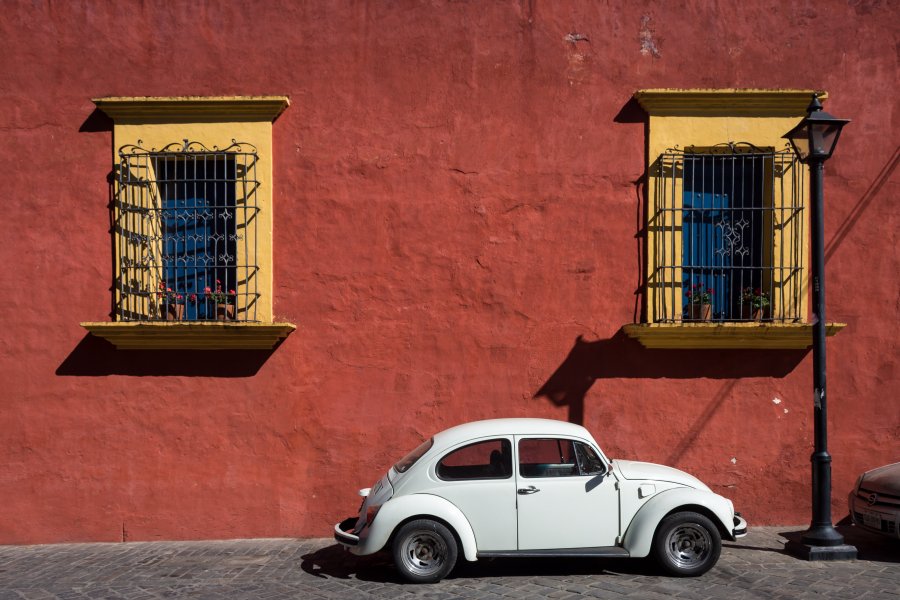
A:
(565, 497)
(477, 478)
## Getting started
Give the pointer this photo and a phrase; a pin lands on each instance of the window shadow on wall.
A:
(884, 175)
(94, 357)
(96, 122)
(621, 357)
(632, 113)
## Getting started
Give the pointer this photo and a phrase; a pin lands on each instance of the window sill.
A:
(789, 336)
(193, 336)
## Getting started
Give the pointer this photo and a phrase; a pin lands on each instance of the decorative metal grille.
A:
(726, 235)
(185, 224)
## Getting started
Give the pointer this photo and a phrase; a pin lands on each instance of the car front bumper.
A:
(877, 517)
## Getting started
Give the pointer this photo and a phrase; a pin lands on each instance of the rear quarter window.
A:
(490, 459)
(410, 459)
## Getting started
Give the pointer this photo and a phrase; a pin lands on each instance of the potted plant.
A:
(193, 299)
(754, 303)
(699, 302)
(173, 302)
(224, 301)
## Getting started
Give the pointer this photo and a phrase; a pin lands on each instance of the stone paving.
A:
(754, 567)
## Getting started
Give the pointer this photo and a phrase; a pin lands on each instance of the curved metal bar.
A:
(725, 148)
(186, 147)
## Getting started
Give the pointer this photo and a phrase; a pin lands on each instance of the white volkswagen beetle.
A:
(535, 487)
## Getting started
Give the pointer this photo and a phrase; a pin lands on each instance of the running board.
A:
(603, 551)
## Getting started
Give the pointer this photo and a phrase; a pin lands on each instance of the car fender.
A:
(399, 509)
(639, 534)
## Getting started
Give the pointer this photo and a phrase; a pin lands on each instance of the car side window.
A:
(490, 459)
(547, 457)
(588, 461)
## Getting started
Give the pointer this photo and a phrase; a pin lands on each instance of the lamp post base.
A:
(809, 552)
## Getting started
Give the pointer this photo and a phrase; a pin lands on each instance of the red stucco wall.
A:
(456, 203)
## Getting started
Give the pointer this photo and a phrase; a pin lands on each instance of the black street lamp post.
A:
(814, 140)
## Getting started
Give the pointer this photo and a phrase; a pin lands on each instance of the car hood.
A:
(884, 479)
(632, 469)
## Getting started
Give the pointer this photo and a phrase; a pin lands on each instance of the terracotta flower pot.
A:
(752, 313)
(699, 312)
(174, 312)
(224, 312)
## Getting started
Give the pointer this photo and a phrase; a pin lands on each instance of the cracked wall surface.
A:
(457, 195)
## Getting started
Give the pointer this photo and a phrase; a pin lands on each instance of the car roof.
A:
(478, 429)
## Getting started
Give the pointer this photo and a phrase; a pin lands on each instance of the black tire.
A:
(686, 544)
(425, 551)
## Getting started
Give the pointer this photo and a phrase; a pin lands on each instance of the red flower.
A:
(709, 290)
(689, 294)
(231, 292)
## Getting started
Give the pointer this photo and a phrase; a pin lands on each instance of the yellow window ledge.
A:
(193, 336)
(787, 336)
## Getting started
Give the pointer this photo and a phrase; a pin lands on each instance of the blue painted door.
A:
(705, 266)
(722, 205)
(198, 228)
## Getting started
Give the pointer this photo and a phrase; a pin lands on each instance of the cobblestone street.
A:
(754, 567)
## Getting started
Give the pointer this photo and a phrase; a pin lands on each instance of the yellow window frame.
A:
(156, 122)
(704, 118)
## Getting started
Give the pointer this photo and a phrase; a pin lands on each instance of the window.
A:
(491, 459)
(186, 216)
(588, 461)
(410, 459)
(193, 220)
(553, 457)
(724, 223)
(727, 236)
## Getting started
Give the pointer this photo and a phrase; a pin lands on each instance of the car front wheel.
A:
(424, 551)
(686, 544)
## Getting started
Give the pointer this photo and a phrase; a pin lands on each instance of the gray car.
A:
(875, 501)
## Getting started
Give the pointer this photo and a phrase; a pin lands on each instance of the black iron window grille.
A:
(726, 236)
(185, 223)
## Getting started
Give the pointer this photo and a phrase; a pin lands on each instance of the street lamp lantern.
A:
(816, 136)
(814, 139)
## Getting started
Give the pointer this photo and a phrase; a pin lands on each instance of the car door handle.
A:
(529, 490)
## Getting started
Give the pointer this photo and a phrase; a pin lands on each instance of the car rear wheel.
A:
(686, 544)
(425, 551)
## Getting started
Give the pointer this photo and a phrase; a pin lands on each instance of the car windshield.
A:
(410, 459)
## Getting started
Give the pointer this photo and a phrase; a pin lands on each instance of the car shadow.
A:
(335, 562)
(733, 546)
(556, 566)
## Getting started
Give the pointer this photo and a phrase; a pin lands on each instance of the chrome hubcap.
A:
(688, 545)
(424, 552)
